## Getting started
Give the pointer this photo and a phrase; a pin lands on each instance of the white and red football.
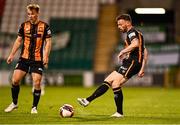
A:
(66, 111)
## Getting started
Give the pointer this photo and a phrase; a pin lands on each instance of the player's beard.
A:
(123, 30)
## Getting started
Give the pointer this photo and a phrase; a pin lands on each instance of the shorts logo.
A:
(123, 71)
(40, 69)
(16, 65)
(122, 67)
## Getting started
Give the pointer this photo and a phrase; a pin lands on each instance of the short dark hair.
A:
(126, 17)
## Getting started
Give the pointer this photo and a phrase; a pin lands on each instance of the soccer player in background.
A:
(34, 35)
(133, 57)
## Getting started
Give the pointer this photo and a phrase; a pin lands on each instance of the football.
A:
(66, 111)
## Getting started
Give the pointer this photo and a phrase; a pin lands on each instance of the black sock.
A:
(118, 97)
(36, 97)
(15, 91)
(99, 91)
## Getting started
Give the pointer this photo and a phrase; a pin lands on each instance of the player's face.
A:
(32, 15)
(122, 25)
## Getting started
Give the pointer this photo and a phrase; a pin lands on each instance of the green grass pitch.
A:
(141, 106)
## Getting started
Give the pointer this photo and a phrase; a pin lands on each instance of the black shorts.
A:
(30, 66)
(129, 68)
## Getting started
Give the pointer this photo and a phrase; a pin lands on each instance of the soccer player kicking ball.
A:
(35, 35)
(133, 57)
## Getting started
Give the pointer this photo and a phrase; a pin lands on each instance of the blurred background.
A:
(86, 40)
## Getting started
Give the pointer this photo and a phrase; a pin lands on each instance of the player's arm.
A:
(141, 72)
(15, 47)
(134, 44)
(47, 49)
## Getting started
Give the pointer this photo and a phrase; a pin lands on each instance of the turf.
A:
(141, 106)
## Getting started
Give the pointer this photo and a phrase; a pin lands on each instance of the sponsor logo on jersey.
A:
(27, 31)
(40, 29)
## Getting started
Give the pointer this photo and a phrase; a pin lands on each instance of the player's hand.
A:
(141, 73)
(46, 66)
(45, 61)
(121, 55)
(9, 59)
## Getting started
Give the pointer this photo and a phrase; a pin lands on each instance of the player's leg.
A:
(36, 69)
(118, 95)
(42, 85)
(37, 91)
(126, 71)
(100, 90)
(17, 76)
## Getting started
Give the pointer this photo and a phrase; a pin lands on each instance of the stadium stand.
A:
(2, 9)
(78, 18)
(106, 39)
(56, 8)
(78, 54)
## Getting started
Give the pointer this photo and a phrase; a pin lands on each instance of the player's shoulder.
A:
(25, 22)
(46, 24)
(132, 32)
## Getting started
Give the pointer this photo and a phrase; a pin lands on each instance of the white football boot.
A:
(34, 110)
(117, 115)
(11, 107)
(82, 101)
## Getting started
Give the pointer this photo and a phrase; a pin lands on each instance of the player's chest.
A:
(33, 31)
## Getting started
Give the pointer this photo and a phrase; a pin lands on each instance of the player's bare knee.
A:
(110, 78)
(15, 81)
(117, 83)
(110, 82)
(37, 86)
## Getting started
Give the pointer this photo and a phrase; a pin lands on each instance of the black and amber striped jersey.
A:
(138, 53)
(33, 36)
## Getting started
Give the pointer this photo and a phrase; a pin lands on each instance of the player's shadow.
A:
(98, 118)
(93, 118)
(153, 117)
